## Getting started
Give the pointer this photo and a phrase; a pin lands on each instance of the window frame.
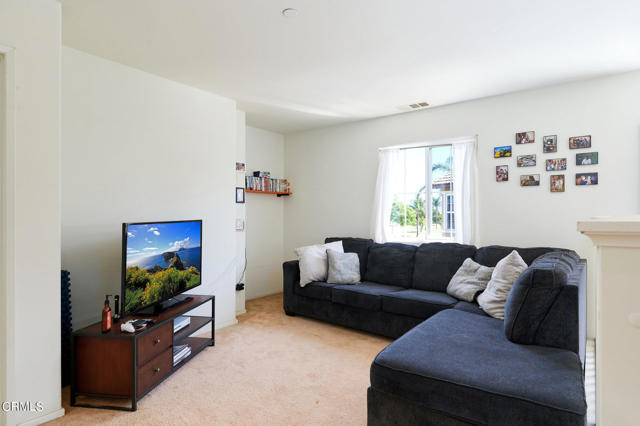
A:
(449, 195)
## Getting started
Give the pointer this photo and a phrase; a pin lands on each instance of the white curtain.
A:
(428, 196)
(390, 169)
(464, 190)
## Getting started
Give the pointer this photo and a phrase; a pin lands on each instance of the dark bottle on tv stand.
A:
(116, 307)
(106, 315)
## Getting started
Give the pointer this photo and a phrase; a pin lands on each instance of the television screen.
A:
(161, 260)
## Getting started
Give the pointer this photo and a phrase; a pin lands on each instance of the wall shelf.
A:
(279, 194)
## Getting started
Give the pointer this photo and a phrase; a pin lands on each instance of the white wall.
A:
(333, 170)
(30, 214)
(137, 147)
(241, 210)
(265, 213)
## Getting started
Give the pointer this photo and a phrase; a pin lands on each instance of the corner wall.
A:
(265, 214)
(137, 147)
(241, 210)
(30, 31)
(333, 170)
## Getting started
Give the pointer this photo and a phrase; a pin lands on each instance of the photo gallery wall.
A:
(551, 163)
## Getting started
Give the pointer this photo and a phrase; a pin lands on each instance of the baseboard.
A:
(45, 418)
(244, 311)
(261, 295)
(226, 324)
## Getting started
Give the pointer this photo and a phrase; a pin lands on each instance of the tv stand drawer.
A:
(155, 342)
(154, 371)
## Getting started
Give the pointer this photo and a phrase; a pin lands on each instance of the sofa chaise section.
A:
(460, 366)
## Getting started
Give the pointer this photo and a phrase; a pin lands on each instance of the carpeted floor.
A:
(268, 369)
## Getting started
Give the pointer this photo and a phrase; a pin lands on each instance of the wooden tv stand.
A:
(126, 366)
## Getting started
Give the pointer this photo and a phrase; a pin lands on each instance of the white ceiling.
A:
(345, 60)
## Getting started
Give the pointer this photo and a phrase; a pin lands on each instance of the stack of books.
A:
(267, 184)
(180, 322)
(180, 352)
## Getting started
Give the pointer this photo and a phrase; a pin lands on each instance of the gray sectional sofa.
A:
(451, 363)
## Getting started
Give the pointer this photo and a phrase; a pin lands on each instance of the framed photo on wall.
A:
(528, 160)
(556, 183)
(502, 173)
(550, 143)
(239, 195)
(525, 137)
(502, 151)
(587, 159)
(530, 180)
(556, 164)
(580, 142)
(586, 179)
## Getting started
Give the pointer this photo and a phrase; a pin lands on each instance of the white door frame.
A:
(7, 235)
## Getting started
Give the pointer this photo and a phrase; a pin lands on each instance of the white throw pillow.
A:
(470, 279)
(313, 261)
(494, 297)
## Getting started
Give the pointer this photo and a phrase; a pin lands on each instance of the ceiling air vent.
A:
(417, 105)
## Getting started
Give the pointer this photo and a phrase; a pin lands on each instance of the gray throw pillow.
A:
(507, 271)
(470, 279)
(344, 268)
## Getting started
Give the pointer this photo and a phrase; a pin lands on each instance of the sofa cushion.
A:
(534, 293)
(391, 263)
(366, 295)
(360, 246)
(416, 303)
(491, 255)
(315, 290)
(470, 307)
(436, 263)
(461, 364)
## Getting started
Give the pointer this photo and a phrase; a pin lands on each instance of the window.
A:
(419, 213)
(426, 192)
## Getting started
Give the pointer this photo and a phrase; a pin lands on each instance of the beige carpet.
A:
(268, 369)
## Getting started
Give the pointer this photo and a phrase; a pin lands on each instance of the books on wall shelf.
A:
(267, 184)
(180, 352)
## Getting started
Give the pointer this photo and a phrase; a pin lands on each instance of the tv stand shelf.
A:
(124, 367)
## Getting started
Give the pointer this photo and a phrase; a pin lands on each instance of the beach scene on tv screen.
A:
(162, 260)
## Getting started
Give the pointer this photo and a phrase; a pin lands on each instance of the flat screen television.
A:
(160, 260)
